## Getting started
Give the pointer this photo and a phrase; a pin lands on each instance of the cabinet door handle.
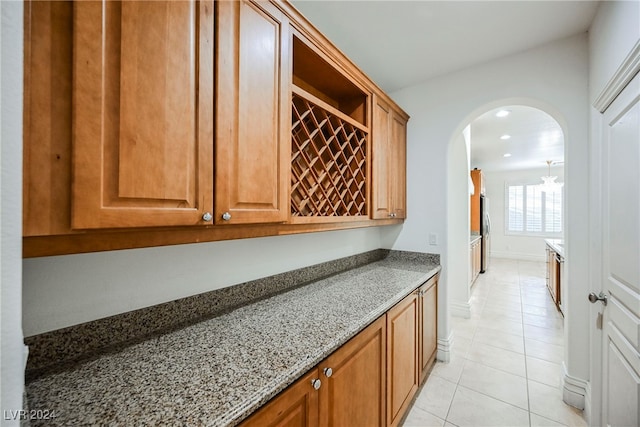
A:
(226, 216)
(207, 216)
(593, 298)
(328, 372)
(316, 383)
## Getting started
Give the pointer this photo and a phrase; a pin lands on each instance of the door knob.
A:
(601, 297)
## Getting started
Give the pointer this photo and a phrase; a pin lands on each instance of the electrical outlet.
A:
(433, 239)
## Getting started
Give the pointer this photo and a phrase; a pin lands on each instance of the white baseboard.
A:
(444, 348)
(460, 309)
(574, 389)
(518, 256)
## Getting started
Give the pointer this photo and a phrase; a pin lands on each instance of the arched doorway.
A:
(532, 133)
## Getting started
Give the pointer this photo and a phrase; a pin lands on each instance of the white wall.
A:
(458, 226)
(66, 290)
(11, 347)
(552, 78)
(615, 31)
(510, 246)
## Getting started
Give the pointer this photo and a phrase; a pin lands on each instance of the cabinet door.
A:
(296, 406)
(551, 273)
(428, 327)
(142, 113)
(354, 392)
(253, 113)
(398, 167)
(381, 126)
(402, 357)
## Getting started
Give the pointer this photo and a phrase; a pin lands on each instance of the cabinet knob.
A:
(392, 214)
(226, 216)
(207, 216)
(328, 372)
(316, 383)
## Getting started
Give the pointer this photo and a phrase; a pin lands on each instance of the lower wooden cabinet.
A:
(349, 388)
(428, 326)
(296, 406)
(475, 259)
(402, 357)
(353, 381)
(369, 381)
(554, 277)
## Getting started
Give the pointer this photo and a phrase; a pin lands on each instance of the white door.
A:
(621, 259)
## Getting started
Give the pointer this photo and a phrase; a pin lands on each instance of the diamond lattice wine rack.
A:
(328, 163)
(329, 142)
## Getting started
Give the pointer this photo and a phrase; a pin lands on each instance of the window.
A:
(533, 211)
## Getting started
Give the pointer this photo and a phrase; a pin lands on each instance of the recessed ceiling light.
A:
(503, 113)
(506, 155)
(505, 136)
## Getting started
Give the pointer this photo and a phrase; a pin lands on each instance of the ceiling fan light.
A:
(549, 184)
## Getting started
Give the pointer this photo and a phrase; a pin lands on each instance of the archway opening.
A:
(513, 144)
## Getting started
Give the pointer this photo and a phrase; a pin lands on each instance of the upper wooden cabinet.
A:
(252, 117)
(477, 177)
(389, 135)
(142, 125)
(151, 123)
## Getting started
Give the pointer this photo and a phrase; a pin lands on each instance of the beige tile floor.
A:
(505, 365)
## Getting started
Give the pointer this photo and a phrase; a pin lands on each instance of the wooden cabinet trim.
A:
(108, 240)
(331, 51)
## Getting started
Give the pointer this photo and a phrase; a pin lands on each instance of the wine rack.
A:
(328, 161)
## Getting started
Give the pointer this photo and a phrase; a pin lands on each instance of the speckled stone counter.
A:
(218, 371)
(557, 245)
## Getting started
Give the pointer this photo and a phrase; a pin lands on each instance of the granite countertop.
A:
(557, 245)
(220, 370)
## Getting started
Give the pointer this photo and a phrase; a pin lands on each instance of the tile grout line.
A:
(524, 344)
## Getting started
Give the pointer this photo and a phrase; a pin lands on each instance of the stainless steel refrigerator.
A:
(485, 232)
